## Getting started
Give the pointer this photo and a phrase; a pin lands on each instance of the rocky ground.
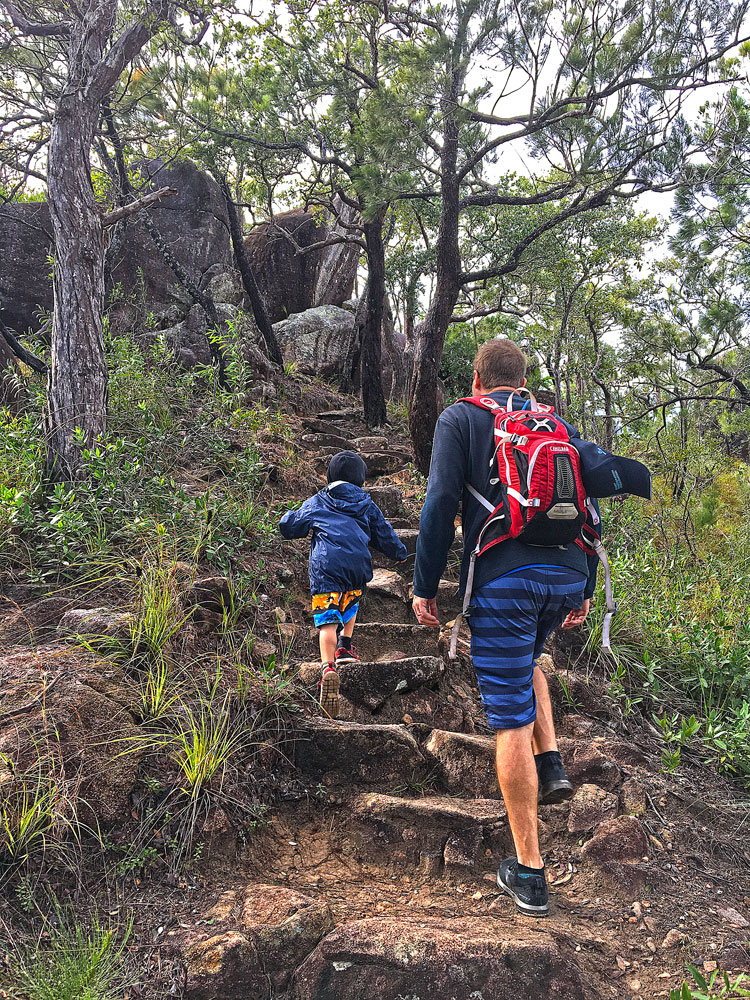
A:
(373, 871)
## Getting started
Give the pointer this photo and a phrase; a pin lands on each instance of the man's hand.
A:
(426, 611)
(579, 616)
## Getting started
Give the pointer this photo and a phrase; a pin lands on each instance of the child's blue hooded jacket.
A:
(344, 521)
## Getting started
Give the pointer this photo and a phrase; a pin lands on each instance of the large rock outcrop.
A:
(193, 223)
(257, 938)
(69, 712)
(317, 339)
(292, 280)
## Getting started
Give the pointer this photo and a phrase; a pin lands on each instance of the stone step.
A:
(372, 443)
(378, 463)
(419, 955)
(466, 763)
(389, 594)
(338, 415)
(434, 830)
(337, 752)
(389, 499)
(409, 537)
(325, 441)
(385, 463)
(381, 640)
(371, 684)
(442, 812)
(399, 523)
(317, 426)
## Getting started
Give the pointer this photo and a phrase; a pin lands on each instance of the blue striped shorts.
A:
(510, 620)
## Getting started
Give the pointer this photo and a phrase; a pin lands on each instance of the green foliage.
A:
(718, 984)
(681, 638)
(74, 962)
(162, 422)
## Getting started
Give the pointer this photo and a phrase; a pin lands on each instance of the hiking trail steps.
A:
(376, 878)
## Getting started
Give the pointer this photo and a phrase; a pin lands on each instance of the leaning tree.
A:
(61, 62)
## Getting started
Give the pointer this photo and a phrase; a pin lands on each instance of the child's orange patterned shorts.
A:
(336, 608)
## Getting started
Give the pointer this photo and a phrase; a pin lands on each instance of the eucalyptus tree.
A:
(571, 295)
(590, 93)
(60, 62)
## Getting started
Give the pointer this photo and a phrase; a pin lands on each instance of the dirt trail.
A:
(381, 882)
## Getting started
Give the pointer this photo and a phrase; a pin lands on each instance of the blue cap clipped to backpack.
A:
(608, 475)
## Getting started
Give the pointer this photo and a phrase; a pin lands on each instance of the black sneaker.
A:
(528, 892)
(554, 783)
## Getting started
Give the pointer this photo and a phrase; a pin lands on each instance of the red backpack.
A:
(543, 500)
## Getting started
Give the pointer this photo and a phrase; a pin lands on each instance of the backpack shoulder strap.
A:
(483, 402)
(482, 499)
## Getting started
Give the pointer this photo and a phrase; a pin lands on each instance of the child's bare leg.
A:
(327, 636)
(348, 629)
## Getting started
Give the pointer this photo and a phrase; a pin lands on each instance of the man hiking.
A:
(519, 595)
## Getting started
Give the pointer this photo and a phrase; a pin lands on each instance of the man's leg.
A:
(543, 738)
(516, 773)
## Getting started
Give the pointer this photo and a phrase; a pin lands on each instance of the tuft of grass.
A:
(36, 812)
(717, 986)
(157, 692)
(203, 745)
(27, 820)
(75, 962)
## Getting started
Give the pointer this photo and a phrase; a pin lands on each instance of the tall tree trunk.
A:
(250, 285)
(351, 372)
(430, 335)
(373, 399)
(397, 354)
(77, 382)
(609, 423)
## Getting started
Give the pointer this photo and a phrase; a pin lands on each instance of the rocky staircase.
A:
(373, 872)
(387, 888)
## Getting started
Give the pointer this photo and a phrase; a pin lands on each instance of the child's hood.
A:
(346, 498)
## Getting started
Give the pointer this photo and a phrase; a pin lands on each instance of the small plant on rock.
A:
(716, 986)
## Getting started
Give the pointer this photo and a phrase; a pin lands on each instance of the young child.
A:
(344, 522)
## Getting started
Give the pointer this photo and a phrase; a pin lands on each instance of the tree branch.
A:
(35, 363)
(133, 207)
(27, 27)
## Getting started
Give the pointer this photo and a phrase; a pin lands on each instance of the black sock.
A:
(548, 755)
(525, 870)
(345, 642)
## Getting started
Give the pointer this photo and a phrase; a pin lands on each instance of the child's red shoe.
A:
(344, 655)
(329, 690)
